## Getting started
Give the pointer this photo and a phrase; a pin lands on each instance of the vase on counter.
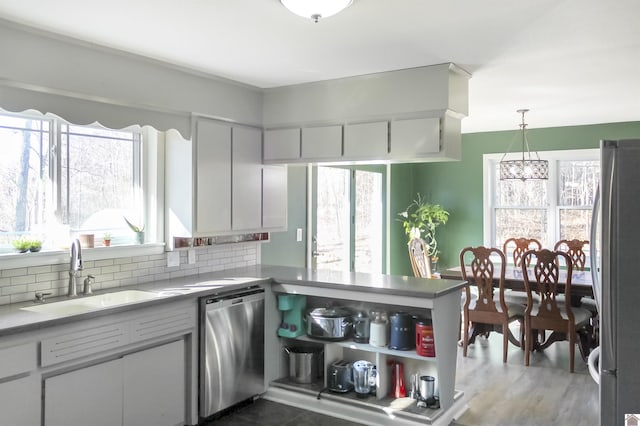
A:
(140, 237)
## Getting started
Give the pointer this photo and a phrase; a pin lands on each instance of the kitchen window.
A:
(547, 210)
(58, 179)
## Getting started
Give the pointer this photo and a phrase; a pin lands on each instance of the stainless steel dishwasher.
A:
(231, 349)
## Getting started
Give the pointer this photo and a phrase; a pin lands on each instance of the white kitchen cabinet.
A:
(246, 180)
(322, 143)
(154, 386)
(413, 138)
(19, 386)
(89, 395)
(20, 402)
(215, 183)
(281, 145)
(212, 157)
(366, 141)
(274, 197)
(143, 388)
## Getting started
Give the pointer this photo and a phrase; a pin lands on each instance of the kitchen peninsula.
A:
(29, 333)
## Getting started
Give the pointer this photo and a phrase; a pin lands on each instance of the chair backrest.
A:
(517, 247)
(420, 262)
(484, 276)
(544, 280)
(575, 250)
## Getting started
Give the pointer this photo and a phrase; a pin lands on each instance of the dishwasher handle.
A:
(235, 298)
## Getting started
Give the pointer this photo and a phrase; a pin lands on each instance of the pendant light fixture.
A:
(316, 9)
(527, 167)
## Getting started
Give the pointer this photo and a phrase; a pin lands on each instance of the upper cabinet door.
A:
(274, 197)
(322, 143)
(212, 156)
(415, 137)
(281, 145)
(367, 141)
(246, 179)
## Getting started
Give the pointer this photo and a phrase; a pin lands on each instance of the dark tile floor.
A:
(263, 412)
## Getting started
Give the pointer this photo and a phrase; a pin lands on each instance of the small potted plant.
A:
(35, 245)
(138, 230)
(106, 239)
(22, 244)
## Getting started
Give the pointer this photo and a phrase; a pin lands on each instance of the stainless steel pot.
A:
(334, 323)
(305, 364)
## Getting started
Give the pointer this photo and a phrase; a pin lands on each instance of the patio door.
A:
(348, 218)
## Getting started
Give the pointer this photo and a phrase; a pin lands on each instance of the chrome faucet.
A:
(75, 267)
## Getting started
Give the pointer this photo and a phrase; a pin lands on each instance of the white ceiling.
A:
(570, 61)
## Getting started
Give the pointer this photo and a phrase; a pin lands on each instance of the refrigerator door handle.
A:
(608, 197)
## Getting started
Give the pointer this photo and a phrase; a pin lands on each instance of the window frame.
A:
(489, 162)
(150, 174)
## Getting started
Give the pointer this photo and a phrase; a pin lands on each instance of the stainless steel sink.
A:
(92, 303)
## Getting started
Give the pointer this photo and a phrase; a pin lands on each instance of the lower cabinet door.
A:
(20, 402)
(154, 386)
(89, 396)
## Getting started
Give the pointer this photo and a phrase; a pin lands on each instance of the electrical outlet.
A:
(192, 256)
(173, 259)
(299, 234)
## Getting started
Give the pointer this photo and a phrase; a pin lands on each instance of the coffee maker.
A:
(291, 306)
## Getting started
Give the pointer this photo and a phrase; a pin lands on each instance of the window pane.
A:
(578, 182)
(368, 226)
(575, 224)
(517, 193)
(25, 194)
(333, 230)
(100, 178)
(517, 223)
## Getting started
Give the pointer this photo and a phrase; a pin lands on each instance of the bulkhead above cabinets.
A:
(398, 140)
(410, 115)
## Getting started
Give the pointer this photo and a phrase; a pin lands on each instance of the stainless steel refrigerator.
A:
(616, 270)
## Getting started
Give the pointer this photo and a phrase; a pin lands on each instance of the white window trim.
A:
(488, 188)
(152, 185)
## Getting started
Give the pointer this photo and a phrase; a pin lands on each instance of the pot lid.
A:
(331, 312)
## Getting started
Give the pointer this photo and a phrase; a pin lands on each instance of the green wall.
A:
(283, 249)
(456, 185)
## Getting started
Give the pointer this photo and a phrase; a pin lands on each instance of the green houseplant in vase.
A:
(138, 230)
(420, 220)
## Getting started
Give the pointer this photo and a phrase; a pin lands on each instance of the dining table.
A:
(581, 281)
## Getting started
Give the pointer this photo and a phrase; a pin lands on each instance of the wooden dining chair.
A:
(517, 246)
(420, 262)
(489, 311)
(575, 249)
(547, 311)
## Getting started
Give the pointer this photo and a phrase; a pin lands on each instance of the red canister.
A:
(425, 344)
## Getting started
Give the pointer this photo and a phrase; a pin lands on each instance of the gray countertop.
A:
(14, 319)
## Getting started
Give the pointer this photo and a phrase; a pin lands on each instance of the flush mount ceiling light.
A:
(316, 9)
(526, 167)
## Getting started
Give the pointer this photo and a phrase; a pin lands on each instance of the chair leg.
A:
(572, 350)
(505, 341)
(527, 340)
(465, 337)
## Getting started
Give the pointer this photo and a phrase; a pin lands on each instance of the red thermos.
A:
(425, 343)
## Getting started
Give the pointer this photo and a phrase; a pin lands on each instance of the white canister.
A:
(378, 332)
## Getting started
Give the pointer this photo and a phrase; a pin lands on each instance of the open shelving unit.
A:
(379, 409)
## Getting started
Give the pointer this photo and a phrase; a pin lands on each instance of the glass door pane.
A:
(368, 222)
(333, 232)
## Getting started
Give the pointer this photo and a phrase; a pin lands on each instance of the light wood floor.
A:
(545, 393)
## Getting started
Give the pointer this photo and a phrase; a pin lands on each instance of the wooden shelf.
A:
(350, 344)
(405, 408)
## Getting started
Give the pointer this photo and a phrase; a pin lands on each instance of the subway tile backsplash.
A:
(21, 284)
